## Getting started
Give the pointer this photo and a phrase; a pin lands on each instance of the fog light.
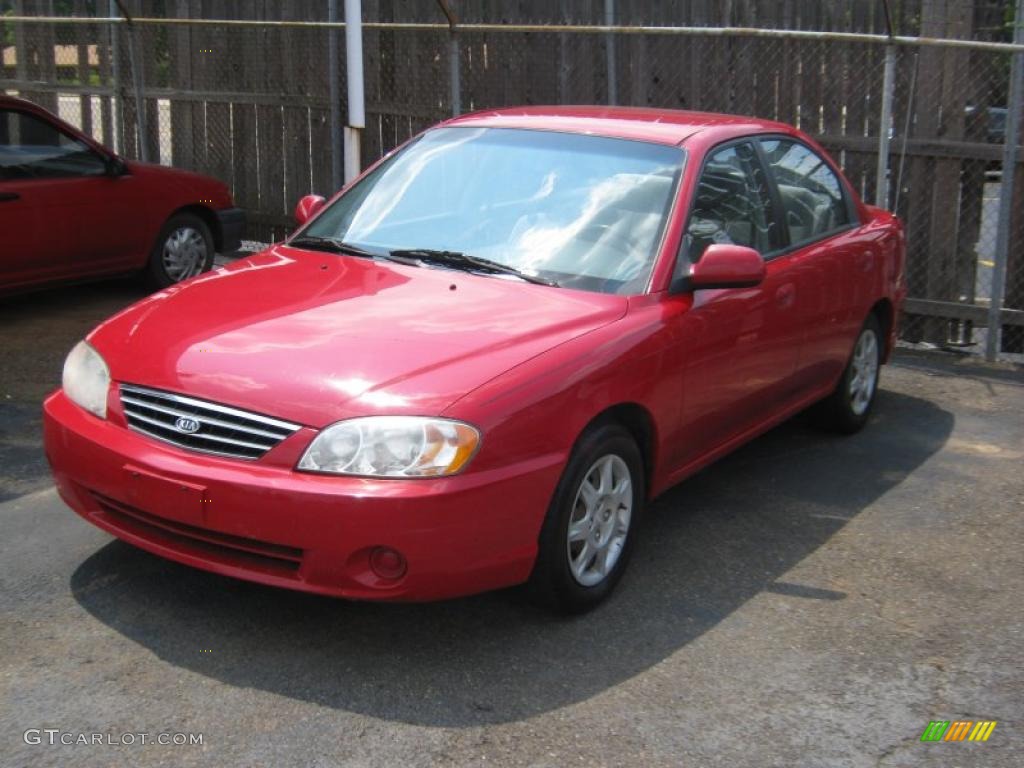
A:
(387, 563)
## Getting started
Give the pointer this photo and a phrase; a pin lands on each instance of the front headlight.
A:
(392, 446)
(87, 379)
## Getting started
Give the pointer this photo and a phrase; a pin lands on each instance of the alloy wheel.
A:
(600, 520)
(864, 374)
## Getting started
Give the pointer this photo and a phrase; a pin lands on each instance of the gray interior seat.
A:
(807, 213)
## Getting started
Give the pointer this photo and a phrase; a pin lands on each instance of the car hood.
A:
(195, 187)
(314, 337)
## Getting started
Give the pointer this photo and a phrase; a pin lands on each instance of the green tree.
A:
(6, 28)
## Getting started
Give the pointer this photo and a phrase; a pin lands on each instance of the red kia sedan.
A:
(476, 364)
(70, 209)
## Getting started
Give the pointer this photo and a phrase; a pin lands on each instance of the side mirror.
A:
(114, 166)
(307, 208)
(724, 266)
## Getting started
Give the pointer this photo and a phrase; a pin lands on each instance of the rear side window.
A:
(732, 203)
(812, 195)
(33, 148)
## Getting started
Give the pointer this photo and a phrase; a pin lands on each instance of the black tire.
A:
(553, 584)
(158, 275)
(842, 411)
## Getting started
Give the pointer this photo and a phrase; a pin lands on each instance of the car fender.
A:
(542, 406)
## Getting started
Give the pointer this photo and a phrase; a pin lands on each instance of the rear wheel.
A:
(847, 409)
(183, 249)
(587, 535)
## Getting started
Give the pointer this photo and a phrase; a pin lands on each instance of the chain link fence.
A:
(249, 101)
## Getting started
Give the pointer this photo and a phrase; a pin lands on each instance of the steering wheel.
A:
(606, 236)
(482, 227)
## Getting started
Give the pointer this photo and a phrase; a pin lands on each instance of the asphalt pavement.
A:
(811, 600)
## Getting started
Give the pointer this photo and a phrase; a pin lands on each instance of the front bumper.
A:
(267, 523)
(232, 226)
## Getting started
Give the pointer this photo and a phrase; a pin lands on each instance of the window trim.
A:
(844, 189)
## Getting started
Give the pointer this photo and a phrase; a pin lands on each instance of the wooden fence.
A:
(250, 104)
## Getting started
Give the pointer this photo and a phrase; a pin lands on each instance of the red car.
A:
(70, 209)
(477, 363)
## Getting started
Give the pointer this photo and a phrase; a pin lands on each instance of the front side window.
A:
(732, 203)
(33, 148)
(811, 193)
(586, 212)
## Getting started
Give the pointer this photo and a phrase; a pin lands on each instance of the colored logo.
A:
(958, 730)
(188, 426)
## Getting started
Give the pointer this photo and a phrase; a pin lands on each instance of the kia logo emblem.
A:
(186, 425)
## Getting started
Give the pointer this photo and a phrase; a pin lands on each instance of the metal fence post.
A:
(116, 102)
(993, 341)
(885, 128)
(609, 53)
(454, 74)
(354, 74)
(563, 56)
(20, 46)
(885, 121)
(334, 96)
(139, 86)
(454, 59)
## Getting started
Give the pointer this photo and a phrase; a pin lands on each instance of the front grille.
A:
(237, 550)
(221, 430)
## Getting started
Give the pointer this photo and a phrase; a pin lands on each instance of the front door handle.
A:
(785, 295)
(7, 197)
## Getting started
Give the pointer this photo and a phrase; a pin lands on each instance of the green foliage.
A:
(6, 29)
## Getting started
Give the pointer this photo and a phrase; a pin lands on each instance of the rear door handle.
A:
(7, 197)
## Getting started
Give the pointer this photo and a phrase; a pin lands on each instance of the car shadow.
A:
(707, 547)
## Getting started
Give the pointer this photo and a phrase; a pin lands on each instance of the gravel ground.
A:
(810, 600)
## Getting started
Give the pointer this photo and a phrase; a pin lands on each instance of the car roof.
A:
(7, 100)
(662, 126)
(14, 102)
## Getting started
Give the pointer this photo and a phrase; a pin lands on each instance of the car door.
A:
(825, 253)
(32, 250)
(59, 202)
(741, 344)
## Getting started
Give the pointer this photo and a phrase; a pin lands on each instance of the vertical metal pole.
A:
(354, 74)
(334, 97)
(454, 58)
(885, 128)
(454, 73)
(609, 52)
(563, 57)
(137, 82)
(140, 104)
(20, 47)
(116, 102)
(993, 342)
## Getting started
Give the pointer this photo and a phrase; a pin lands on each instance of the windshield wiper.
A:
(329, 244)
(464, 261)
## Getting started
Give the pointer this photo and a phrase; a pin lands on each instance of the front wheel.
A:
(183, 249)
(587, 535)
(847, 409)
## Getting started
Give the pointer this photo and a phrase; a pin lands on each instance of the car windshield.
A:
(581, 211)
